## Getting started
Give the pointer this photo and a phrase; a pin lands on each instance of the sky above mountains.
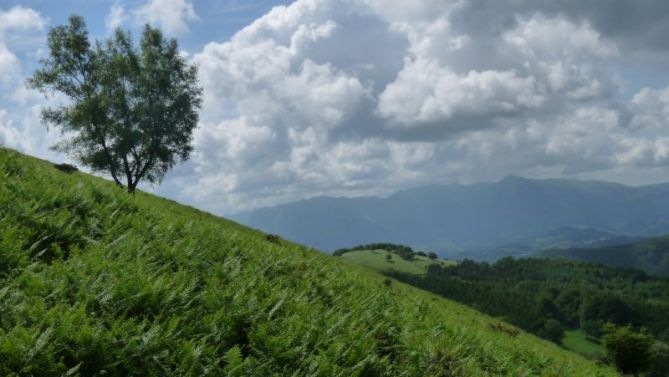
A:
(353, 97)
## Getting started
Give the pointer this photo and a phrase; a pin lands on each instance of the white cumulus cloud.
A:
(171, 15)
(116, 17)
(20, 19)
(9, 66)
(349, 97)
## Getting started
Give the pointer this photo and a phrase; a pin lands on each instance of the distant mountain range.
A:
(651, 255)
(515, 216)
(557, 239)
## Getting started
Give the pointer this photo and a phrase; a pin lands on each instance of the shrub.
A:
(659, 360)
(553, 330)
(628, 349)
(273, 238)
(66, 168)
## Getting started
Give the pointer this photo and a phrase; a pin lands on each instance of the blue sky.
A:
(216, 20)
(366, 97)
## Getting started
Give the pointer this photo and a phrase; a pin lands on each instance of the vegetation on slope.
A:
(546, 296)
(651, 255)
(386, 261)
(98, 282)
(530, 292)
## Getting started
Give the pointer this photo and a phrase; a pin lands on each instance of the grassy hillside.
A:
(377, 260)
(651, 255)
(96, 282)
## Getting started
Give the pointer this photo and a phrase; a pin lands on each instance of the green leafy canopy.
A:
(132, 110)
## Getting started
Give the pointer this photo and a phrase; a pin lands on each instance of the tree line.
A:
(405, 252)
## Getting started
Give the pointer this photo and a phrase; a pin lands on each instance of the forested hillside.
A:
(547, 297)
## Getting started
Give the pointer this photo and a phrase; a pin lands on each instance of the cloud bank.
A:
(357, 97)
(350, 97)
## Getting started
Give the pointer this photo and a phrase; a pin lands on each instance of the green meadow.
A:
(577, 341)
(378, 260)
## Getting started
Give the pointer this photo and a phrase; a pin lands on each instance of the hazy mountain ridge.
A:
(444, 218)
(557, 239)
(651, 255)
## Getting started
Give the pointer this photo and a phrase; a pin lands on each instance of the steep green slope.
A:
(651, 255)
(96, 282)
(377, 260)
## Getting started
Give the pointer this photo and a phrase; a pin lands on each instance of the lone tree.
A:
(131, 110)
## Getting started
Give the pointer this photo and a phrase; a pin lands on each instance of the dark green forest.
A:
(546, 297)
